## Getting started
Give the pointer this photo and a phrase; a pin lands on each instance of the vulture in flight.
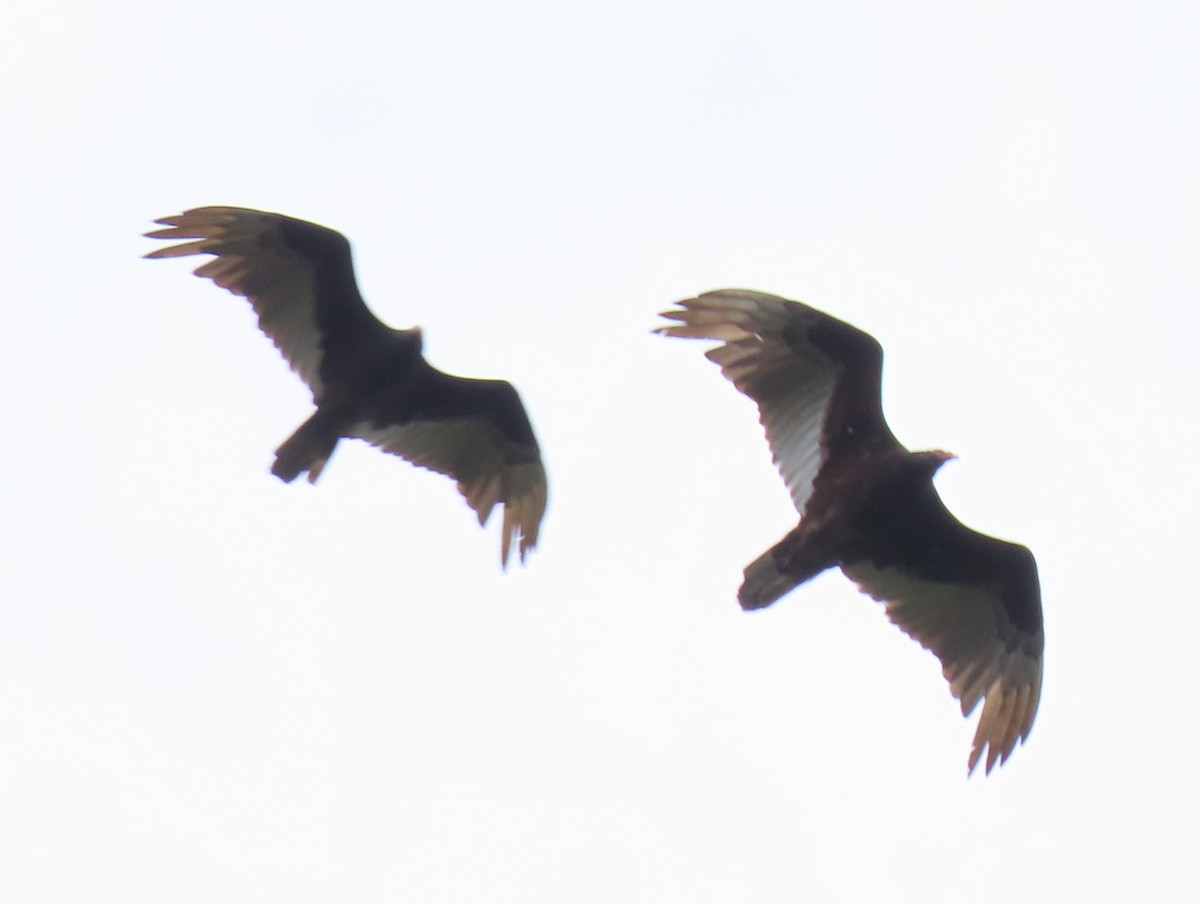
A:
(868, 506)
(368, 380)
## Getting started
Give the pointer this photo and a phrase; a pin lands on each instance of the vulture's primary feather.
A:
(368, 380)
(868, 506)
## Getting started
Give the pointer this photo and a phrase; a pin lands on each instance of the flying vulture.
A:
(868, 506)
(367, 379)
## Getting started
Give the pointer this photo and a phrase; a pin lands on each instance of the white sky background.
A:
(215, 687)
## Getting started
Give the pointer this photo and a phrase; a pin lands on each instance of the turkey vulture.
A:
(367, 379)
(868, 506)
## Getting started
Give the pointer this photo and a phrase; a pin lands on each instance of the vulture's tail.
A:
(780, 569)
(308, 449)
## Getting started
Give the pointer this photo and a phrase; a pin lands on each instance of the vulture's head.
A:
(929, 461)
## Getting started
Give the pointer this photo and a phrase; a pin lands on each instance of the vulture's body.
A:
(368, 380)
(868, 506)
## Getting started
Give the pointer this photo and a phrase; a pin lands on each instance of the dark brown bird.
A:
(368, 380)
(868, 506)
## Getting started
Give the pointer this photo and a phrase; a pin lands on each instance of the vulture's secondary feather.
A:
(868, 506)
(368, 380)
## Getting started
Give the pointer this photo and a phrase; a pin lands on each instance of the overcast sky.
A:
(217, 687)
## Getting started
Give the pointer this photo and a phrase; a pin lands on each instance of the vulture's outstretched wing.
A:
(297, 275)
(975, 602)
(815, 379)
(477, 432)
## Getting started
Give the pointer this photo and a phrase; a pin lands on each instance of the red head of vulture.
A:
(368, 380)
(868, 506)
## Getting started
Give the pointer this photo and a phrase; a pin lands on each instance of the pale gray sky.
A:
(216, 687)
